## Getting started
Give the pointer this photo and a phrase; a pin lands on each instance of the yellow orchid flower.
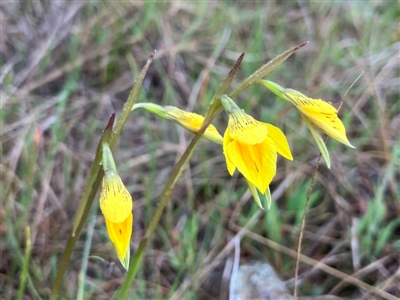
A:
(251, 146)
(316, 114)
(116, 206)
(188, 120)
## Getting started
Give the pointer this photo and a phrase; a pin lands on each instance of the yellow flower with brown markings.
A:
(251, 146)
(116, 206)
(316, 113)
(322, 114)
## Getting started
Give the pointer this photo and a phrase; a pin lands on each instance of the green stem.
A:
(278, 90)
(95, 171)
(153, 108)
(85, 258)
(73, 238)
(95, 177)
(230, 106)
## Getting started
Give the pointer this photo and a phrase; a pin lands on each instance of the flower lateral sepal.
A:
(320, 142)
(266, 197)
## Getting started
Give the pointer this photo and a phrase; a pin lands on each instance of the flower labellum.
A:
(116, 206)
(251, 146)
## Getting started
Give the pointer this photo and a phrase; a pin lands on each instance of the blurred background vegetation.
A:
(66, 66)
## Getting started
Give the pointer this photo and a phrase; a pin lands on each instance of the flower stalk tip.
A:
(110, 123)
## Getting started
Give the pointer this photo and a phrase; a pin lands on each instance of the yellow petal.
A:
(120, 236)
(115, 200)
(192, 122)
(245, 129)
(256, 162)
(321, 114)
(281, 143)
(229, 164)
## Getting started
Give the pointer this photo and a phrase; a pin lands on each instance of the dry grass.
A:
(66, 66)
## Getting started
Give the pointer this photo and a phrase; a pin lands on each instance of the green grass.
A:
(65, 96)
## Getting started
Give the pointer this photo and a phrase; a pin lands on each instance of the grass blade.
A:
(25, 265)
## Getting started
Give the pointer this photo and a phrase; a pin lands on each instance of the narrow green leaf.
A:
(130, 102)
(385, 235)
(225, 85)
(264, 70)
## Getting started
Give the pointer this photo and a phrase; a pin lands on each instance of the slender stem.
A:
(303, 223)
(73, 238)
(85, 259)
